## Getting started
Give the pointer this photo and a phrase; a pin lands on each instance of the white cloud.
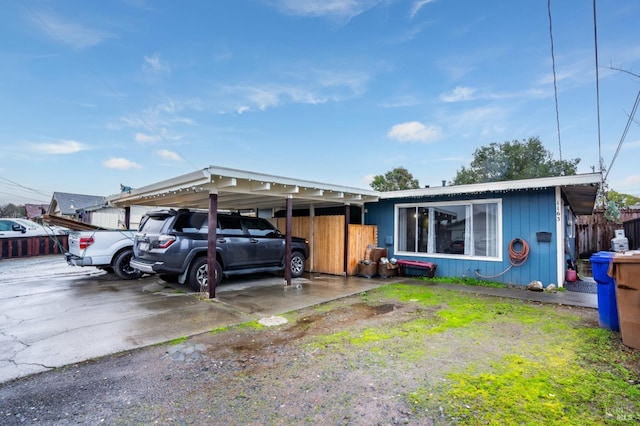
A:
(62, 147)
(342, 10)
(121, 163)
(368, 179)
(169, 155)
(632, 180)
(154, 64)
(144, 138)
(312, 87)
(458, 94)
(414, 131)
(75, 35)
(417, 5)
(488, 121)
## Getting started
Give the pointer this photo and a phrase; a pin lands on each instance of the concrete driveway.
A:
(52, 314)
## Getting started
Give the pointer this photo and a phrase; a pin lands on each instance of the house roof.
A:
(238, 190)
(35, 210)
(579, 191)
(69, 204)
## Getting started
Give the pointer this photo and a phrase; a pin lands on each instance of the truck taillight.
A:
(165, 241)
(85, 242)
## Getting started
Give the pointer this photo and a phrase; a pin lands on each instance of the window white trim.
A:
(469, 203)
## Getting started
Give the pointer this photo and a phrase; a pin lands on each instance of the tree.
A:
(11, 210)
(394, 180)
(622, 200)
(514, 160)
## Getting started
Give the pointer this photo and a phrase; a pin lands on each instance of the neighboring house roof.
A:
(69, 204)
(579, 190)
(35, 210)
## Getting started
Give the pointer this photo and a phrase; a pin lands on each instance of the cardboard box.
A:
(367, 270)
(387, 270)
(377, 253)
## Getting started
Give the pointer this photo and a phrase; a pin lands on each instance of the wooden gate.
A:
(326, 235)
(360, 236)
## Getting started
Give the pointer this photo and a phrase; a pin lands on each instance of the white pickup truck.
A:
(110, 250)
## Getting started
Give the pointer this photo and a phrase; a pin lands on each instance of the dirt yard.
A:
(397, 355)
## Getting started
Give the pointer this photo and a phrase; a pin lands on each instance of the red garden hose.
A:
(517, 256)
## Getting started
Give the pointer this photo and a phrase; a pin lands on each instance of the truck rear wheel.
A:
(198, 278)
(122, 268)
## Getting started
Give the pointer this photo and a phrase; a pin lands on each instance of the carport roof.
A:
(240, 190)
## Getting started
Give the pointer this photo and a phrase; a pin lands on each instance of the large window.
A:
(463, 228)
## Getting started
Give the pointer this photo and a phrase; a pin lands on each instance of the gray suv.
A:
(174, 243)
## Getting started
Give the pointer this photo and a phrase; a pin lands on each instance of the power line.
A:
(33, 200)
(624, 133)
(24, 187)
(555, 84)
(595, 37)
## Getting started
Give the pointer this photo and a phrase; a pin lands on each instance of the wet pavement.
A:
(52, 314)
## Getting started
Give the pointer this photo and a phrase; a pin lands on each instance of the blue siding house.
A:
(512, 232)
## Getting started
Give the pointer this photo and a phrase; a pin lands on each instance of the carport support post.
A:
(287, 241)
(127, 217)
(347, 219)
(212, 222)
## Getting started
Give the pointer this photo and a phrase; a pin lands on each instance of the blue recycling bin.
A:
(607, 305)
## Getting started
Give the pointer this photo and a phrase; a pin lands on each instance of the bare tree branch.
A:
(611, 67)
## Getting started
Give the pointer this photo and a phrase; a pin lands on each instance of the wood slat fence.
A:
(33, 246)
(594, 232)
(328, 242)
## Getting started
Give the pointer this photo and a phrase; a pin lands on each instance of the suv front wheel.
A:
(198, 274)
(297, 264)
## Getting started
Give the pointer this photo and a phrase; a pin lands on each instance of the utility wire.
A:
(24, 187)
(595, 36)
(31, 199)
(624, 133)
(555, 84)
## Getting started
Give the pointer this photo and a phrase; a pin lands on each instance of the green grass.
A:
(566, 374)
(463, 280)
(178, 340)
(516, 362)
(560, 387)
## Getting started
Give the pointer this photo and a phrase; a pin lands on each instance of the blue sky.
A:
(98, 93)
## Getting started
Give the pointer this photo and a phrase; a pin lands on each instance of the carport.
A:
(219, 188)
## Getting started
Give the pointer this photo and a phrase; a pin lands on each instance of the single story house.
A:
(94, 210)
(512, 232)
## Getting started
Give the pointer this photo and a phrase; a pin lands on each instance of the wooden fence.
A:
(594, 232)
(329, 243)
(33, 246)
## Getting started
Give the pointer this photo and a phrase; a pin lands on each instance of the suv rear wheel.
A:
(198, 278)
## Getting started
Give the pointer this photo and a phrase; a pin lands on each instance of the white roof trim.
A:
(240, 189)
(512, 185)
